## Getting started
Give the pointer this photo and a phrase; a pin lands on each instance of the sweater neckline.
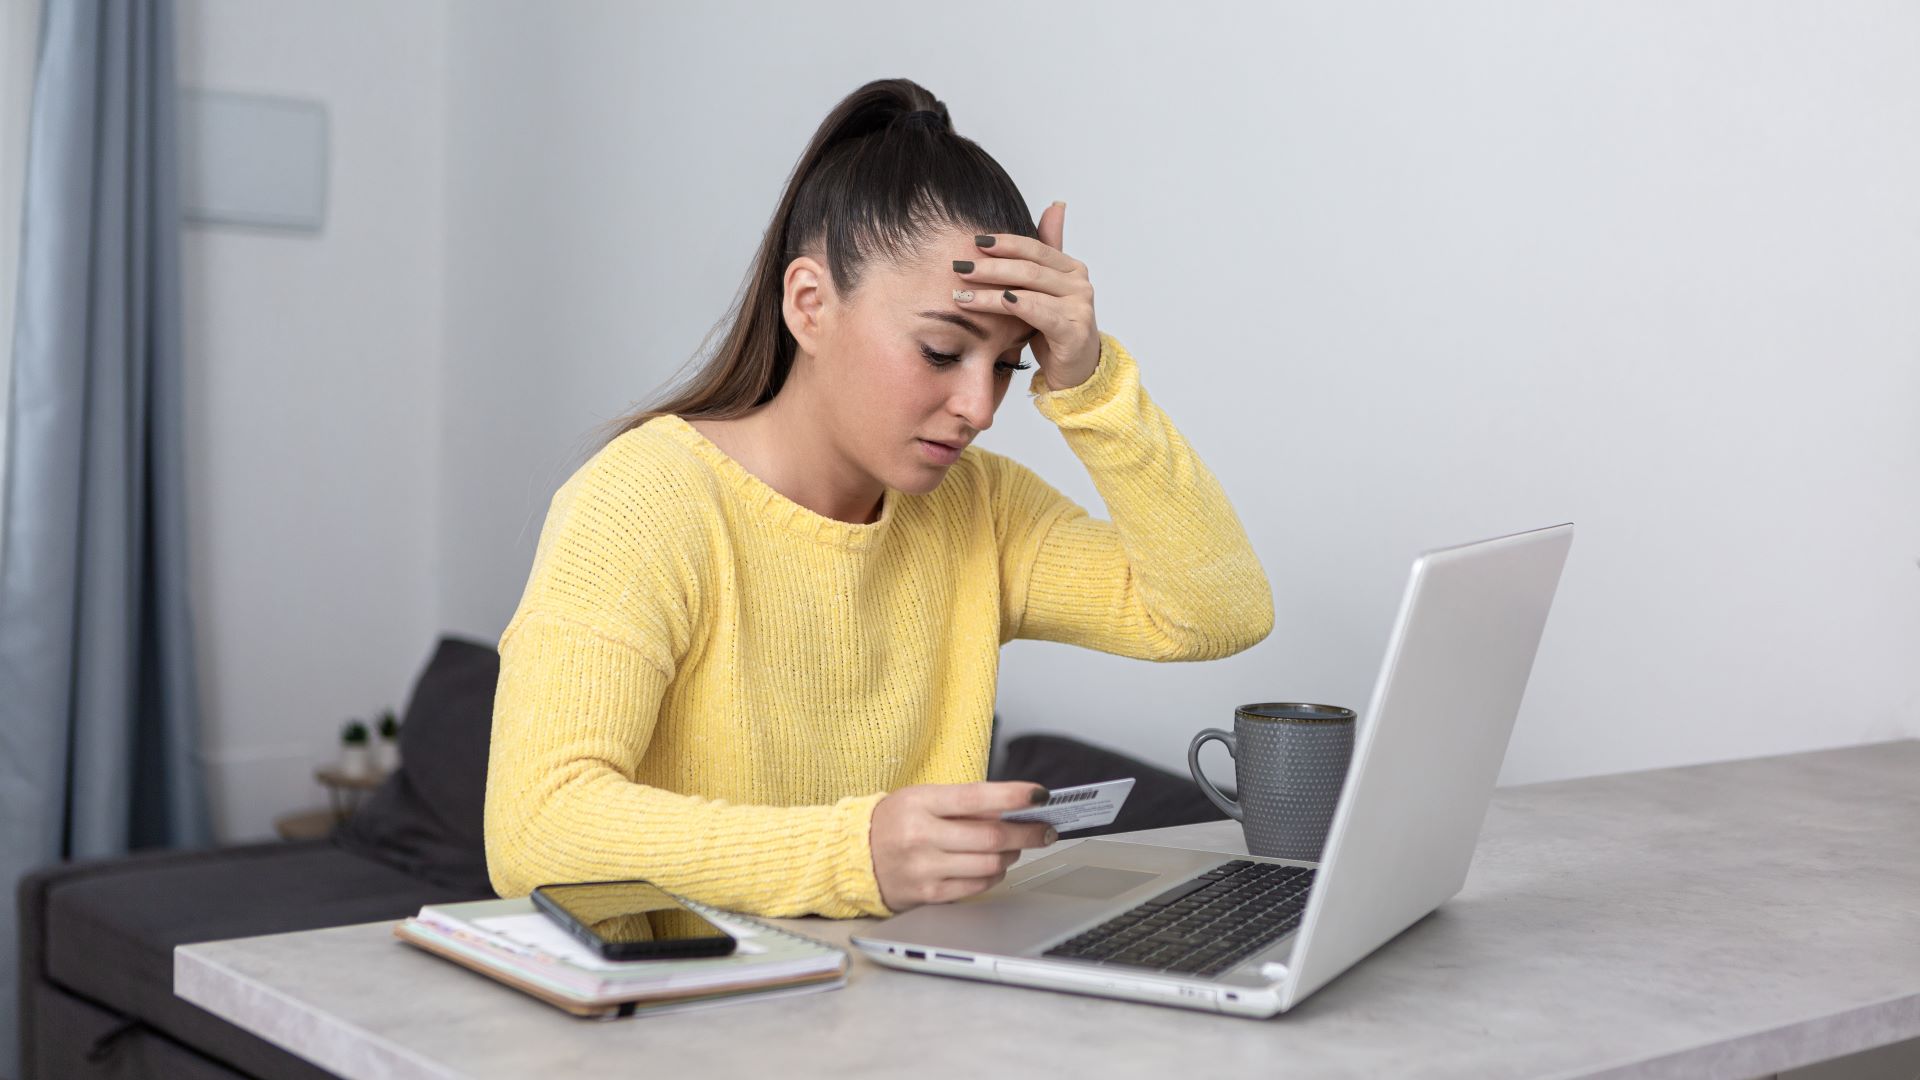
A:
(775, 508)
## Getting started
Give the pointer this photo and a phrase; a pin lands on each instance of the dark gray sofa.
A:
(97, 937)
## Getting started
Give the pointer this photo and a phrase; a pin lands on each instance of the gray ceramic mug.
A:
(1289, 761)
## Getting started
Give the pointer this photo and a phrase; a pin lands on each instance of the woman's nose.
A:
(974, 401)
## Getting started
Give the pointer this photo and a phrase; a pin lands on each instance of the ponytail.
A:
(875, 182)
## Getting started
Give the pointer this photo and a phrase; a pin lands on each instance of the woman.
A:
(756, 656)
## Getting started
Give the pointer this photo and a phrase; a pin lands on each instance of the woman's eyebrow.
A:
(970, 326)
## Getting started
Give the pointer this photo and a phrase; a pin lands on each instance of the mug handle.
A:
(1206, 786)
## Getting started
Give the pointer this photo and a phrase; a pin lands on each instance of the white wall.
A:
(313, 400)
(1406, 275)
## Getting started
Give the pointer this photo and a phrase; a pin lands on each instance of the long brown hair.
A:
(868, 187)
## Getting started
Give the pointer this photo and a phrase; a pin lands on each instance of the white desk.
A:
(1726, 920)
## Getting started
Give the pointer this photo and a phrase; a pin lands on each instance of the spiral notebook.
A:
(513, 942)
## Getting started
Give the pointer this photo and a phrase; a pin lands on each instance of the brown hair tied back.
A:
(926, 118)
(869, 186)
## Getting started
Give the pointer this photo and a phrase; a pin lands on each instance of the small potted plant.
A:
(386, 751)
(354, 761)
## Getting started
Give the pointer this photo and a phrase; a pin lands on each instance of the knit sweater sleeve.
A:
(607, 615)
(1172, 576)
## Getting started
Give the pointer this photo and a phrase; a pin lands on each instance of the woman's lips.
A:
(940, 453)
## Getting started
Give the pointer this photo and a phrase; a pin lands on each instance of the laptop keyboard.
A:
(1203, 926)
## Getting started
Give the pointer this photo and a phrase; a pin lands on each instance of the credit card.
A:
(1081, 807)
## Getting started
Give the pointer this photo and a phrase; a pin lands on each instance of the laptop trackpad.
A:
(1092, 882)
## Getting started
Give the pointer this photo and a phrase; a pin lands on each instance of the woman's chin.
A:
(922, 482)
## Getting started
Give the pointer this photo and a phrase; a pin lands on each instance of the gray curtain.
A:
(98, 709)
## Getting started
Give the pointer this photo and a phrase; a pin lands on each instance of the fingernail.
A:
(1052, 834)
(962, 266)
(983, 241)
(1061, 203)
(1041, 795)
(1012, 299)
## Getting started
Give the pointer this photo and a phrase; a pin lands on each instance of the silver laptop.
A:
(1425, 756)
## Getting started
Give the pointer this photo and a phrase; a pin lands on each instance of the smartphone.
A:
(631, 920)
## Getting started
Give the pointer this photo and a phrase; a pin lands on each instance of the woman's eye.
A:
(940, 360)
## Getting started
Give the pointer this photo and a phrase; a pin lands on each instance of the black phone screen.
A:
(634, 918)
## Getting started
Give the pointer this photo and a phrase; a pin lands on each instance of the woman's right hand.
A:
(933, 843)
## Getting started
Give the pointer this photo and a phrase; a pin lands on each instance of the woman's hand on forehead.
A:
(1043, 286)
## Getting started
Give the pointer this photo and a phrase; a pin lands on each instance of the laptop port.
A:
(916, 954)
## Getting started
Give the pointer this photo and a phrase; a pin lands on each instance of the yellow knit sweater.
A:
(709, 686)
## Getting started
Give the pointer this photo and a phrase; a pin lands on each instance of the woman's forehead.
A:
(922, 292)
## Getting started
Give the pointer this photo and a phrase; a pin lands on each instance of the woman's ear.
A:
(804, 305)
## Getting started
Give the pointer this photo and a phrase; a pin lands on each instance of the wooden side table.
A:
(345, 792)
(344, 795)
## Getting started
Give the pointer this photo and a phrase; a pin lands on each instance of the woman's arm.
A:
(573, 714)
(1171, 577)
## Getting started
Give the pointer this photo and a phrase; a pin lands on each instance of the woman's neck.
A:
(795, 456)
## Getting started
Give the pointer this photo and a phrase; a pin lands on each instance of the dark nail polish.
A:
(1012, 299)
(983, 241)
(962, 266)
(1041, 795)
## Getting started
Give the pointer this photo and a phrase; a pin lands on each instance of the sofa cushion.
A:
(1159, 798)
(426, 818)
(110, 928)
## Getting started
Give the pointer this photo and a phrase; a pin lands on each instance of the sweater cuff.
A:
(1097, 388)
(853, 874)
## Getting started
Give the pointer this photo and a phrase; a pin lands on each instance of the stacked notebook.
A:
(515, 943)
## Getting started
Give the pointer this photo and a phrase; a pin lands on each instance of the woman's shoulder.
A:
(644, 481)
(635, 519)
(626, 543)
(654, 453)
